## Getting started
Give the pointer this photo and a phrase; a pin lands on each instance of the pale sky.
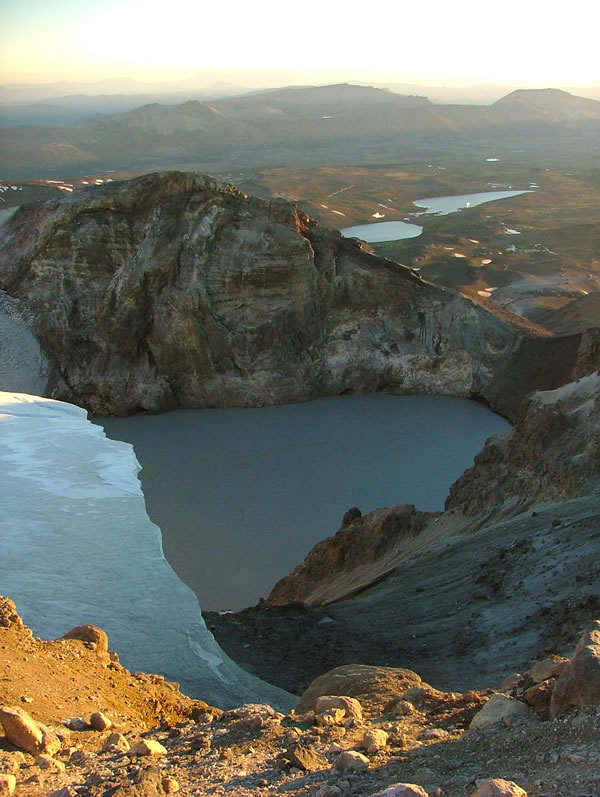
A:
(274, 42)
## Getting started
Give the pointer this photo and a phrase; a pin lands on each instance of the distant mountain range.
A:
(308, 125)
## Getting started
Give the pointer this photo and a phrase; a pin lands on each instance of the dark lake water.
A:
(242, 495)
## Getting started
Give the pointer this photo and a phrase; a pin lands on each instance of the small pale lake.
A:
(379, 231)
(242, 495)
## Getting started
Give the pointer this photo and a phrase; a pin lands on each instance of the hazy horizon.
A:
(261, 45)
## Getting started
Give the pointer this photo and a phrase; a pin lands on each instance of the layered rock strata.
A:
(173, 290)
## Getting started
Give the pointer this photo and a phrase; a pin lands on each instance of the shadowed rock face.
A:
(172, 290)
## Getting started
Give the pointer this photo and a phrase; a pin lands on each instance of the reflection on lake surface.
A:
(380, 231)
(242, 495)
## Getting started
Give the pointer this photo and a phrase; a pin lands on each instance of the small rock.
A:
(353, 761)
(402, 790)
(65, 791)
(435, 733)
(76, 724)
(329, 791)
(100, 722)
(201, 743)
(8, 783)
(98, 777)
(45, 761)
(404, 709)
(498, 709)
(170, 785)
(350, 705)
(374, 740)
(147, 747)
(304, 758)
(116, 742)
(333, 716)
(83, 759)
(498, 787)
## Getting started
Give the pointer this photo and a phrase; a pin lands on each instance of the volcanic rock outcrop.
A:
(173, 290)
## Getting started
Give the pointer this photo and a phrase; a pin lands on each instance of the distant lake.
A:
(380, 231)
(242, 495)
(443, 205)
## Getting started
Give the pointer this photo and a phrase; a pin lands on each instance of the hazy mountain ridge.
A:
(335, 124)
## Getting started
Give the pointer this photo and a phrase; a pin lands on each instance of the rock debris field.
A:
(76, 722)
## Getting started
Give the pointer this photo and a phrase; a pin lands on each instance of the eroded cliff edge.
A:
(173, 290)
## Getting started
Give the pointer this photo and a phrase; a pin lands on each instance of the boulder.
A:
(24, 732)
(374, 686)
(579, 681)
(497, 787)
(499, 708)
(91, 634)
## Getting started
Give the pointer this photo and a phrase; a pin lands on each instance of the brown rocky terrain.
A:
(77, 723)
(173, 290)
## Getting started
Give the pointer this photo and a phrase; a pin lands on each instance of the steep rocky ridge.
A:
(172, 290)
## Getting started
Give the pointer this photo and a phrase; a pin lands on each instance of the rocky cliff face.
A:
(172, 290)
(551, 454)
